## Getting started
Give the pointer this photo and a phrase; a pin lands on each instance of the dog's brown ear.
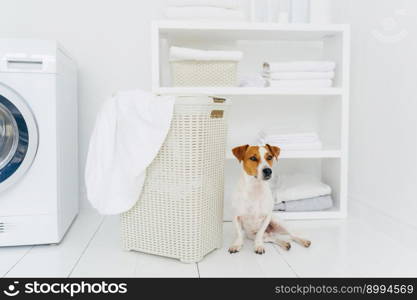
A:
(240, 151)
(274, 150)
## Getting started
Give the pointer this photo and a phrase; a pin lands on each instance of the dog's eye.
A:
(253, 158)
(269, 157)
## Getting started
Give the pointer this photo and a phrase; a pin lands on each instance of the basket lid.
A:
(202, 100)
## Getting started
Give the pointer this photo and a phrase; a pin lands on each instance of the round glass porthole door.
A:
(18, 138)
(9, 136)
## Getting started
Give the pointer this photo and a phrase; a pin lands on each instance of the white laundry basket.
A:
(180, 211)
(193, 73)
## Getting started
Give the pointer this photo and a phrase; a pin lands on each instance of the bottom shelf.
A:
(328, 170)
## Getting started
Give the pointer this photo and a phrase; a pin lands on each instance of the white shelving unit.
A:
(323, 109)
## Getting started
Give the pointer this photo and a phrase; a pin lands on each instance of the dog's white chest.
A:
(254, 199)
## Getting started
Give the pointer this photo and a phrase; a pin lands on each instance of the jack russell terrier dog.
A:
(253, 201)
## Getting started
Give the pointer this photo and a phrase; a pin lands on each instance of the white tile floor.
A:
(362, 245)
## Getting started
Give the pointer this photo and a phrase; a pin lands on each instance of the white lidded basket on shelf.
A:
(180, 211)
(198, 73)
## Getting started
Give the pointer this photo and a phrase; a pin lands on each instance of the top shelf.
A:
(248, 31)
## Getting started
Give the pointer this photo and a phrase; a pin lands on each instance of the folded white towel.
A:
(299, 75)
(313, 83)
(298, 186)
(290, 140)
(310, 204)
(252, 80)
(296, 141)
(283, 135)
(202, 13)
(300, 66)
(129, 131)
(178, 53)
(215, 3)
(294, 146)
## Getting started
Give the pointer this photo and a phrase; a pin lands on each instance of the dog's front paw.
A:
(259, 249)
(235, 248)
(306, 243)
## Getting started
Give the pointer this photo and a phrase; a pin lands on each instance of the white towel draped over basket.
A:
(129, 131)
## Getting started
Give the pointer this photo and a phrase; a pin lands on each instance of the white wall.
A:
(383, 139)
(108, 39)
(110, 42)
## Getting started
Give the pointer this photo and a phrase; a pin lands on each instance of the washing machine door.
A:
(18, 137)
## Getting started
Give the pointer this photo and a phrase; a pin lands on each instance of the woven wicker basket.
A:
(204, 73)
(180, 211)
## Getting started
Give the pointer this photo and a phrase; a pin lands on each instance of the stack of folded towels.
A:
(297, 140)
(205, 10)
(296, 74)
(300, 192)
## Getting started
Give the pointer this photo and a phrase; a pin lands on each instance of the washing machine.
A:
(39, 189)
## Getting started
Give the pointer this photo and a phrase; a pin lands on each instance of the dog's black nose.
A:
(267, 172)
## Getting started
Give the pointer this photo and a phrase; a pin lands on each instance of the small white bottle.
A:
(259, 10)
(274, 10)
(283, 11)
(253, 11)
(321, 11)
(300, 11)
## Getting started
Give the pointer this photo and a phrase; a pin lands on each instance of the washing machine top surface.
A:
(29, 56)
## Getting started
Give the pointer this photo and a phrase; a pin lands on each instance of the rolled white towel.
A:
(299, 75)
(204, 13)
(214, 3)
(313, 83)
(300, 66)
(179, 53)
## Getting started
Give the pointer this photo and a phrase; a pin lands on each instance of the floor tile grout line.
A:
(288, 264)
(198, 270)
(86, 247)
(137, 262)
(18, 261)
